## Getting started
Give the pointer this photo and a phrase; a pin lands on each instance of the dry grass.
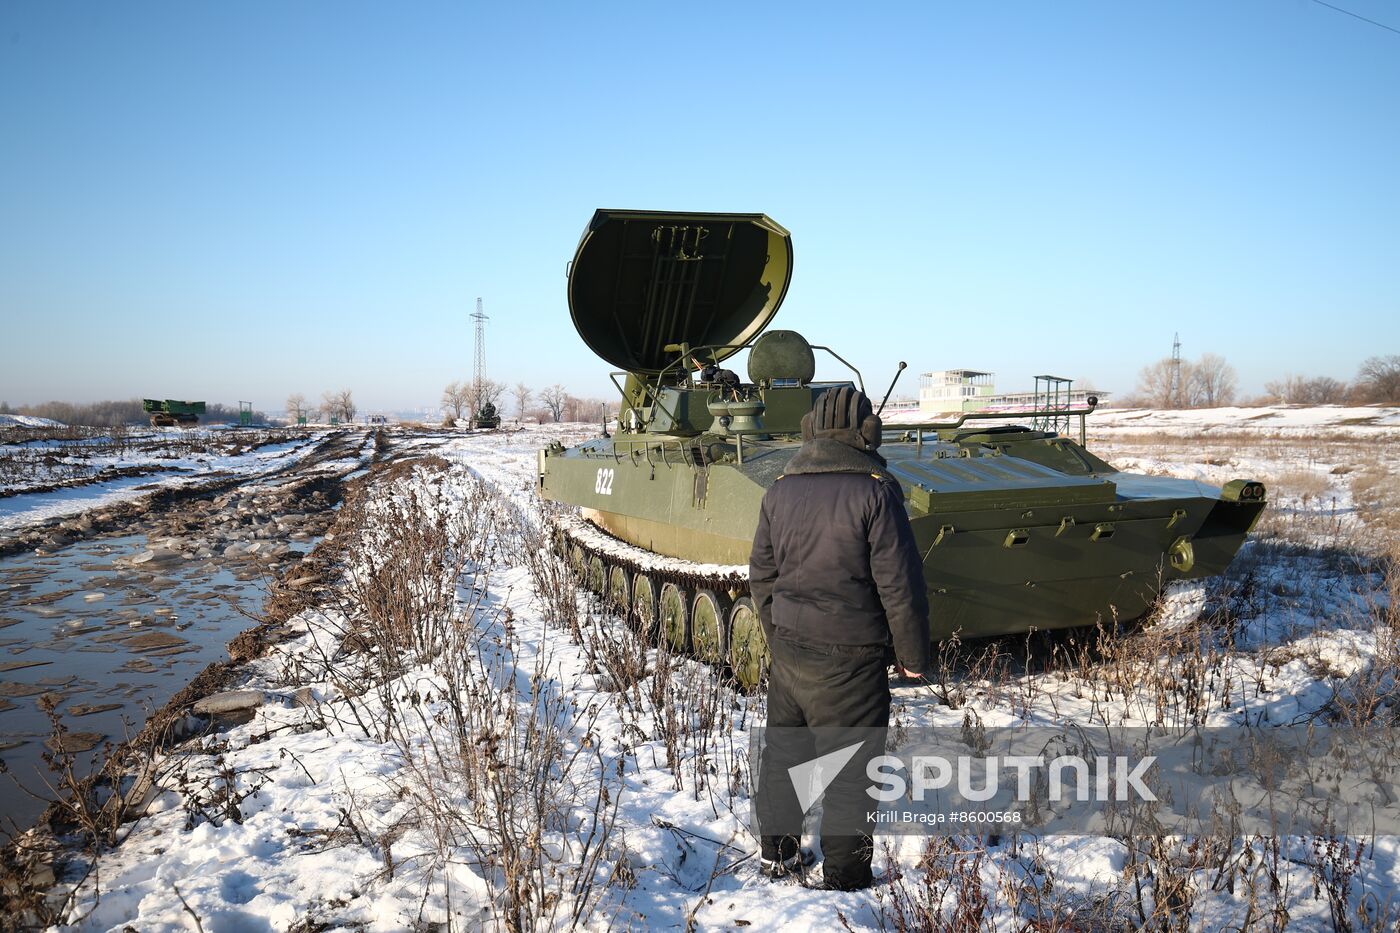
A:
(1375, 487)
(1307, 486)
(427, 660)
(1324, 558)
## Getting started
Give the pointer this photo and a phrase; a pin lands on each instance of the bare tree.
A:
(1325, 390)
(554, 398)
(1212, 381)
(584, 409)
(339, 405)
(1378, 380)
(296, 406)
(522, 395)
(456, 398)
(1284, 390)
(1154, 387)
(491, 392)
(1300, 390)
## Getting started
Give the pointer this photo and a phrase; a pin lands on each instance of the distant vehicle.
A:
(1020, 528)
(488, 417)
(172, 413)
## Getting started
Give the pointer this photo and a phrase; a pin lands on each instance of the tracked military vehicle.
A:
(1021, 527)
(171, 413)
(487, 417)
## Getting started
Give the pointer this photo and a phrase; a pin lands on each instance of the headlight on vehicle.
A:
(1243, 490)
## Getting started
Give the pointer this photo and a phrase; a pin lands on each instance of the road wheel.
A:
(619, 591)
(597, 577)
(578, 560)
(644, 607)
(708, 637)
(673, 614)
(748, 648)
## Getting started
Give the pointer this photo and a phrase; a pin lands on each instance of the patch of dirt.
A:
(73, 742)
(15, 690)
(148, 640)
(84, 709)
(132, 514)
(20, 665)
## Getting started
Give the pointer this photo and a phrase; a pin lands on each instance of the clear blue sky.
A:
(317, 192)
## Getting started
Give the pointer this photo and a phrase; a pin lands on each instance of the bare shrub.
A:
(501, 769)
(1378, 379)
(554, 398)
(1307, 486)
(943, 891)
(1375, 487)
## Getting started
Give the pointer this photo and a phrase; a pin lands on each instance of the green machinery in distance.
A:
(171, 413)
(487, 417)
(1021, 527)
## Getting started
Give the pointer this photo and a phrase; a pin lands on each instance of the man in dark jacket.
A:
(839, 586)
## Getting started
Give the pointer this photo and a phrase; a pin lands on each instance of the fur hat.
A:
(844, 414)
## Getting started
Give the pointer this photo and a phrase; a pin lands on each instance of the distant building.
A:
(903, 404)
(952, 391)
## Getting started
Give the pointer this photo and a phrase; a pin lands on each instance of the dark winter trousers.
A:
(822, 699)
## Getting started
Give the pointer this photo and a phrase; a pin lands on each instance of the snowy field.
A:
(52, 476)
(1296, 421)
(455, 738)
(1292, 421)
(27, 421)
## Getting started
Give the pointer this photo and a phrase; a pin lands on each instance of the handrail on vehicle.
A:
(920, 427)
(682, 445)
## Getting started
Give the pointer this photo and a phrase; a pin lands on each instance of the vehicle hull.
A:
(1009, 545)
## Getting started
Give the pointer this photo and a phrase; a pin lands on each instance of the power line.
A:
(1356, 16)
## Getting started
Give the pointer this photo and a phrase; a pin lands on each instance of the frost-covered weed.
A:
(491, 773)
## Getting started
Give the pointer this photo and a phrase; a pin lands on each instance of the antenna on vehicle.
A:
(901, 368)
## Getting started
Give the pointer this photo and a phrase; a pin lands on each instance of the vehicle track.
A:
(703, 610)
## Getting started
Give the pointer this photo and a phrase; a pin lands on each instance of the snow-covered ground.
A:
(1299, 421)
(28, 421)
(515, 768)
(70, 477)
(1272, 420)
